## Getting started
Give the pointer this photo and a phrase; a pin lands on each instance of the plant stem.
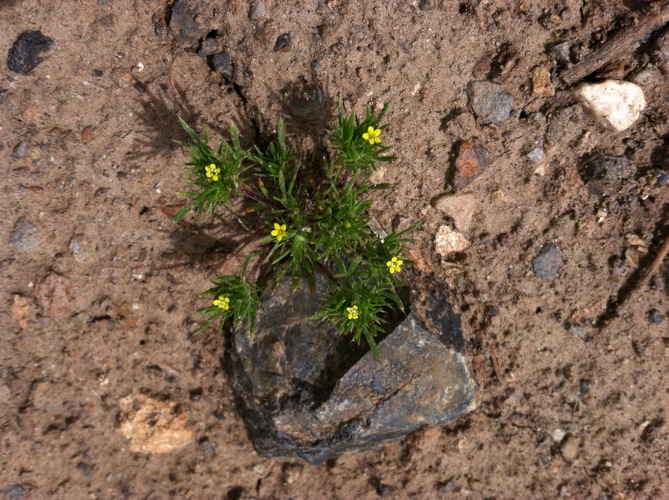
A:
(257, 197)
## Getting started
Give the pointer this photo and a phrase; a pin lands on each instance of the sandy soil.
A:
(104, 392)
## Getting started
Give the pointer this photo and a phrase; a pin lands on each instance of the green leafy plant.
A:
(322, 226)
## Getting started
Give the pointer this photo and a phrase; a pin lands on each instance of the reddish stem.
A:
(257, 197)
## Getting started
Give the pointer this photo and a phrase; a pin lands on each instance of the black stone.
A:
(24, 55)
(491, 102)
(604, 174)
(284, 43)
(221, 62)
(547, 262)
(306, 391)
(183, 25)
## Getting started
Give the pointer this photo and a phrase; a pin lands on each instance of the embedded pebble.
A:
(24, 55)
(15, 492)
(560, 51)
(613, 104)
(84, 468)
(20, 150)
(655, 317)
(558, 435)
(222, 64)
(536, 155)
(207, 447)
(603, 174)
(75, 247)
(541, 82)
(25, 237)
(448, 241)
(547, 262)
(491, 102)
(183, 25)
(208, 47)
(570, 448)
(153, 426)
(471, 161)
(459, 207)
(284, 43)
(259, 10)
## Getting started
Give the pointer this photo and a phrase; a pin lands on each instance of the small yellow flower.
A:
(352, 312)
(222, 302)
(212, 172)
(279, 231)
(372, 135)
(394, 265)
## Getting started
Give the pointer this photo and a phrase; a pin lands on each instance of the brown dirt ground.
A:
(98, 306)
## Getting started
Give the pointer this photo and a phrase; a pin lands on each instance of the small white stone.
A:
(614, 104)
(448, 241)
(558, 435)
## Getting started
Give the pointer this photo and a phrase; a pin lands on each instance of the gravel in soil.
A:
(99, 287)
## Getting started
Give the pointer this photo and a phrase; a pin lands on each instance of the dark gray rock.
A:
(20, 150)
(183, 25)
(604, 174)
(305, 390)
(655, 317)
(15, 492)
(491, 102)
(222, 64)
(24, 55)
(560, 51)
(24, 237)
(547, 262)
(284, 43)
(208, 47)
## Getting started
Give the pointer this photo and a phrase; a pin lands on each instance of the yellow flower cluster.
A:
(352, 312)
(279, 231)
(222, 302)
(372, 135)
(212, 171)
(394, 265)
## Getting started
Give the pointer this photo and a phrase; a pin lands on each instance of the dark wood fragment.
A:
(618, 44)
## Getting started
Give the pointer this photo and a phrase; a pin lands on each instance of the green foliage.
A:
(312, 225)
(242, 304)
(352, 152)
(227, 159)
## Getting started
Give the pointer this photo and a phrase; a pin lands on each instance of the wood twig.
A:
(644, 274)
(618, 44)
(656, 262)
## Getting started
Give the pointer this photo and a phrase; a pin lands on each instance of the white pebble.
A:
(614, 104)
